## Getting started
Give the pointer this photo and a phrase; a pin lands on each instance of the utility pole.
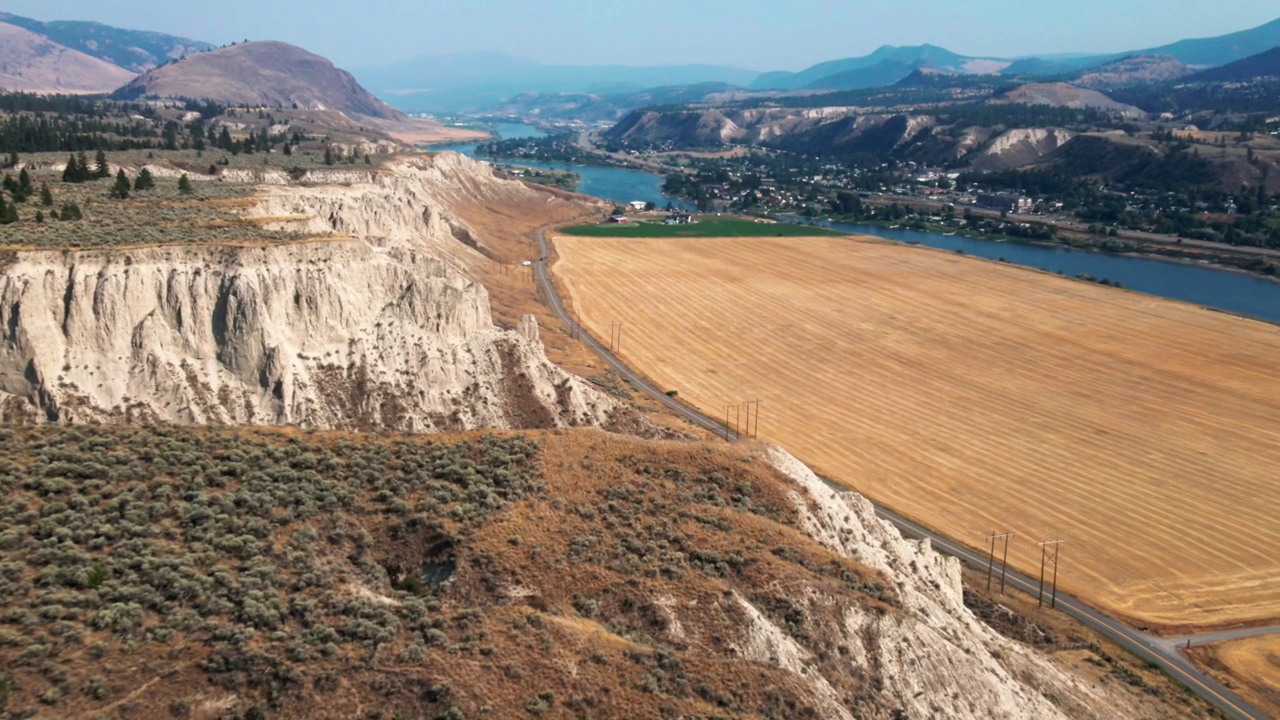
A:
(752, 429)
(1049, 550)
(993, 538)
(615, 337)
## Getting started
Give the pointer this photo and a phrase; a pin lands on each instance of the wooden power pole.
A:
(993, 538)
(1050, 550)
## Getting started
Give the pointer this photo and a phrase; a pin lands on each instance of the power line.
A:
(1004, 560)
(753, 429)
(1050, 550)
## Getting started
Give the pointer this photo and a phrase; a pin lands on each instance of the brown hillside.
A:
(1066, 96)
(1134, 70)
(261, 74)
(31, 63)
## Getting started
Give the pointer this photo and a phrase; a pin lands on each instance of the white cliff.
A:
(378, 327)
(935, 658)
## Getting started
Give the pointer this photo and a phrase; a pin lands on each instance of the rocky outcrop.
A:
(382, 330)
(935, 658)
(1019, 147)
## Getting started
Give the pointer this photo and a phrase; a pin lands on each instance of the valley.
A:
(307, 412)
(884, 367)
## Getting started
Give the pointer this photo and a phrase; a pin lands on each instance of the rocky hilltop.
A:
(263, 73)
(33, 63)
(375, 324)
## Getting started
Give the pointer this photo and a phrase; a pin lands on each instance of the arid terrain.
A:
(975, 397)
(1250, 666)
(202, 573)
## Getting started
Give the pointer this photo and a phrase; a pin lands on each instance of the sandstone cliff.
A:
(379, 326)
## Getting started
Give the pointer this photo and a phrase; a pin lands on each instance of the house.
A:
(618, 219)
(638, 205)
(679, 218)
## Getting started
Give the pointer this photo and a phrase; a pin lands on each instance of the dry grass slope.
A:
(1250, 666)
(974, 396)
(241, 573)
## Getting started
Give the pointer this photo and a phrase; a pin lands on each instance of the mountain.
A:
(1224, 49)
(472, 81)
(134, 50)
(260, 73)
(885, 66)
(1133, 70)
(1062, 95)
(1263, 65)
(592, 108)
(1059, 65)
(33, 63)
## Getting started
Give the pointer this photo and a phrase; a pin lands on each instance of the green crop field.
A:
(707, 226)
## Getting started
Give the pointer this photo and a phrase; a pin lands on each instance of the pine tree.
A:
(121, 189)
(184, 184)
(39, 216)
(82, 168)
(9, 214)
(69, 174)
(328, 156)
(46, 197)
(100, 168)
(144, 181)
(70, 211)
(288, 149)
(24, 182)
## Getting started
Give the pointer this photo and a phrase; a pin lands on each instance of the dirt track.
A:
(973, 396)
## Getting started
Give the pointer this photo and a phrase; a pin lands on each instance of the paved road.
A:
(1162, 651)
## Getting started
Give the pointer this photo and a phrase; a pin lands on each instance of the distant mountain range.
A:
(34, 63)
(1264, 65)
(134, 50)
(476, 82)
(471, 81)
(891, 64)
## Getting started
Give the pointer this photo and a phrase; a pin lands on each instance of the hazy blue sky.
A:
(756, 34)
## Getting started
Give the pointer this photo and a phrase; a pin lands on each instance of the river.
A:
(615, 184)
(1235, 292)
(1226, 290)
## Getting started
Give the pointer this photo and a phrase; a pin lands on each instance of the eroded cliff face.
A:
(935, 658)
(375, 326)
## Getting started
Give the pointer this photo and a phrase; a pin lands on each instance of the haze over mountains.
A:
(133, 50)
(33, 63)
(474, 81)
(260, 74)
(99, 58)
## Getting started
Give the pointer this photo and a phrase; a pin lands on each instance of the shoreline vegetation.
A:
(566, 149)
(706, 226)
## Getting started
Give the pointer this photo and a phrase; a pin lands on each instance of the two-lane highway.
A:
(1149, 647)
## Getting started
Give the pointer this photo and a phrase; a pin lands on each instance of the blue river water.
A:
(1226, 290)
(1223, 289)
(607, 183)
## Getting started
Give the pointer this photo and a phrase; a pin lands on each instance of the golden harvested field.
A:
(1252, 665)
(973, 396)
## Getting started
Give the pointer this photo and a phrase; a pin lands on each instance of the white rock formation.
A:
(935, 658)
(384, 330)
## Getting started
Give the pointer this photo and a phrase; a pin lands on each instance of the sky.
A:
(753, 34)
